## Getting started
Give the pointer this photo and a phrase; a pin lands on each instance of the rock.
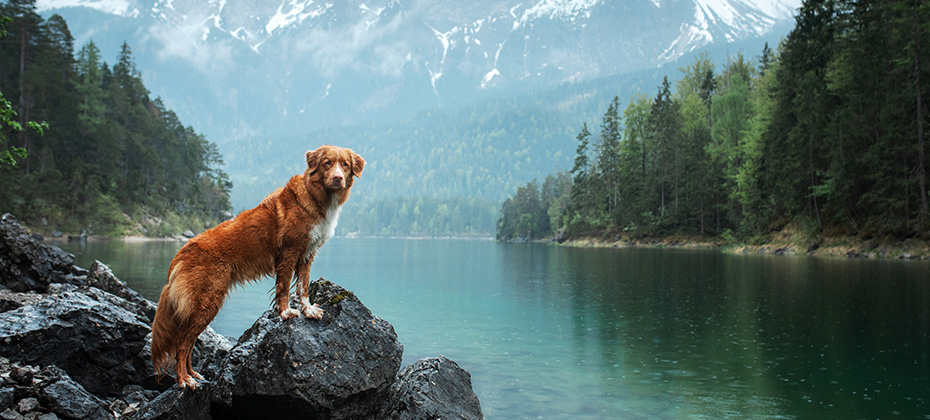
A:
(25, 263)
(9, 414)
(98, 343)
(57, 234)
(23, 374)
(10, 300)
(176, 403)
(432, 388)
(188, 234)
(62, 395)
(101, 277)
(337, 367)
(27, 405)
(7, 396)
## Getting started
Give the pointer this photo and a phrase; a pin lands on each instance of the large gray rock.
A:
(63, 396)
(177, 403)
(98, 343)
(101, 277)
(432, 388)
(27, 264)
(338, 367)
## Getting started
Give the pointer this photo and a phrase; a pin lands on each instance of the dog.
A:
(280, 236)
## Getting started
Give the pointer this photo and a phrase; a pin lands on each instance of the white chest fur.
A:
(325, 229)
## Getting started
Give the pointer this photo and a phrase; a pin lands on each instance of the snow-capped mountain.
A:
(247, 65)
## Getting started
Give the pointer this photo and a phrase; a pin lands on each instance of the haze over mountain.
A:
(405, 80)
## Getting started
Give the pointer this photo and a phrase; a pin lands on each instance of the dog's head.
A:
(334, 167)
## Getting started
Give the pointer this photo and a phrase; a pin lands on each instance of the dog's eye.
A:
(327, 162)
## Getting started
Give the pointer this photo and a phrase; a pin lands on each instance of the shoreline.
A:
(833, 247)
(784, 245)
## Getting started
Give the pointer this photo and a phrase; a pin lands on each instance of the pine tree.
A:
(608, 158)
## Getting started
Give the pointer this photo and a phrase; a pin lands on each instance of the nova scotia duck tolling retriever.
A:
(280, 237)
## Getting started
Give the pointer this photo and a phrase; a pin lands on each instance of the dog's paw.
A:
(289, 313)
(190, 382)
(313, 311)
(196, 376)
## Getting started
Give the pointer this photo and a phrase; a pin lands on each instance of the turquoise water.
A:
(566, 333)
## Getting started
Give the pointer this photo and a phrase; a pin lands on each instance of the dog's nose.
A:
(337, 178)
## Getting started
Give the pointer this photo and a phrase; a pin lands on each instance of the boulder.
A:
(63, 396)
(432, 388)
(177, 403)
(338, 367)
(27, 264)
(101, 277)
(97, 342)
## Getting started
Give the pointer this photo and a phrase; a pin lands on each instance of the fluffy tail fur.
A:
(165, 330)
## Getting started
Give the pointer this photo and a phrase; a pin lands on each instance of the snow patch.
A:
(296, 12)
(487, 77)
(112, 7)
(566, 10)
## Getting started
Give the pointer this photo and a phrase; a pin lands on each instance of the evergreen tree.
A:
(632, 169)
(608, 159)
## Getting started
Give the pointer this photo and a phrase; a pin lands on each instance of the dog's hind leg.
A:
(199, 322)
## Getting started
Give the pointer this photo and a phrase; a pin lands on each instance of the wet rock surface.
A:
(337, 367)
(74, 343)
(432, 388)
(27, 264)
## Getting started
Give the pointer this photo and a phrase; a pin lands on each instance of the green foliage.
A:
(535, 212)
(9, 154)
(9, 119)
(827, 132)
(110, 160)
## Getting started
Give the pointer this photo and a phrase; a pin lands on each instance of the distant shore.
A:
(831, 247)
(784, 244)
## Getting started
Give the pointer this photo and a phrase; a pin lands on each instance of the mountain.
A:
(475, 97)
(244, 67)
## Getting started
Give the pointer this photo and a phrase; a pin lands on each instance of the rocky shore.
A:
(74, 344)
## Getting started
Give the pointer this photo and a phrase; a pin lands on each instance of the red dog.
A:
(280, 236)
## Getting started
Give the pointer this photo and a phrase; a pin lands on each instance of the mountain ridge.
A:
(326, 62)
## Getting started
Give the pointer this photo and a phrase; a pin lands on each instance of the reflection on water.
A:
(561, 333)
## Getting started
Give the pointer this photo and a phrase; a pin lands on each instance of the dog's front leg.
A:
(286, 263)
(303, 283)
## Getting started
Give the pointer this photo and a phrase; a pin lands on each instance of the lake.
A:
(552, 332)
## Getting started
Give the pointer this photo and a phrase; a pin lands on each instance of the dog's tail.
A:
(167, 323)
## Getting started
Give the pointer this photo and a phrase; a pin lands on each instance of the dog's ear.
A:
(357, 165)
(313, 160)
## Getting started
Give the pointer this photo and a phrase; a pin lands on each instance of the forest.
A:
(100, 155)
(824, 133)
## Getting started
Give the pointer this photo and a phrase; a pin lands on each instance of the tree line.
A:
(111, 160)
(826, 133)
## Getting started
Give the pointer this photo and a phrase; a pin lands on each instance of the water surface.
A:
(566, 333)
